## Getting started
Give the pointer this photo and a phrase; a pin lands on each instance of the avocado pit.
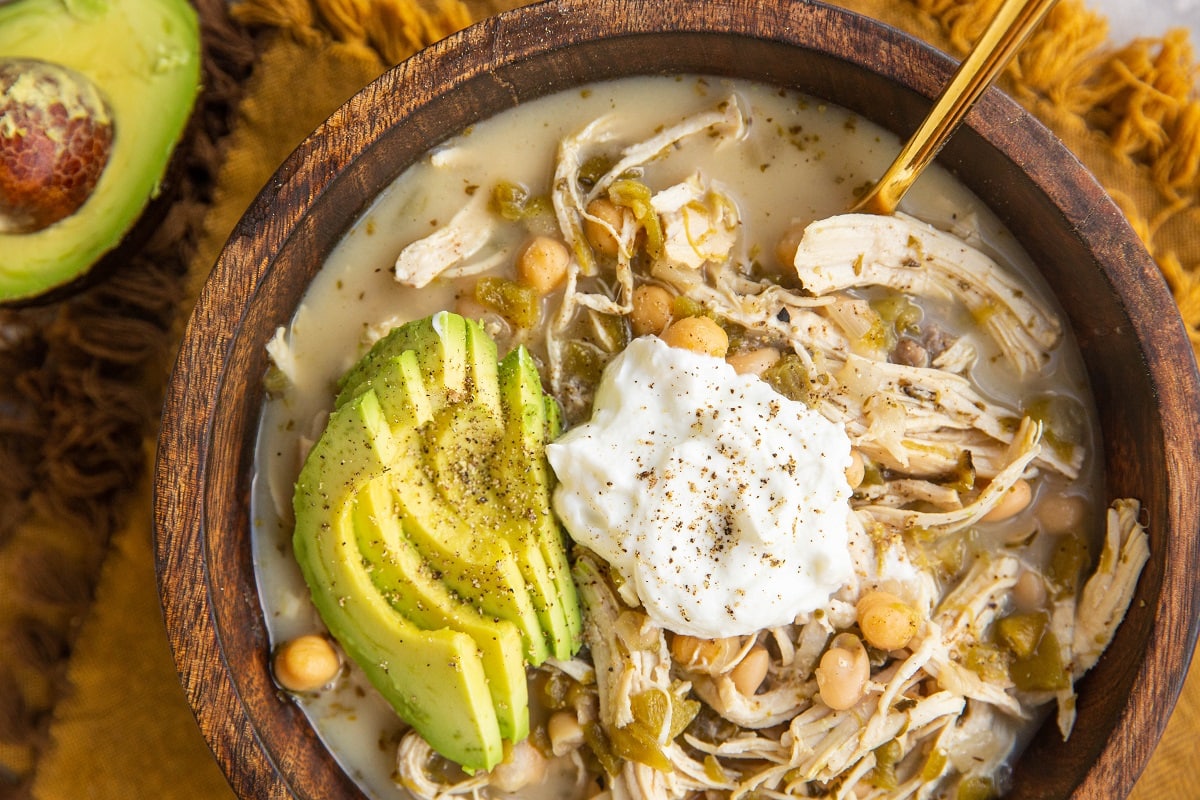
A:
(56, 134)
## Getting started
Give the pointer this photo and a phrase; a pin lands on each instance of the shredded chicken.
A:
(1024, 449)
(413, 761)
(856, 250)
(1108, 592)
(700, 223)
(907, 418)
(281, 355)
(629, 659)
(933, 713)
(1103, 601)
(446, 251)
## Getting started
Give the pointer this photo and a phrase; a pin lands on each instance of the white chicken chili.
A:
(829, 483)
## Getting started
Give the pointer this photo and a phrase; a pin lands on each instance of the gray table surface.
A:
(1129, 19)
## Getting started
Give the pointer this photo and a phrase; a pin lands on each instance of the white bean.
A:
(857, 469)
(1029, 592)
(564, 731)
(843, 672)
(703, 655)
(1061, 513)
(542, 264)
(1013, 502)
(601, 237)
(751, 671)
(651, 309)
(886, 621)
(522, 766)
(698, 334)
(753, 362)
(306, 663)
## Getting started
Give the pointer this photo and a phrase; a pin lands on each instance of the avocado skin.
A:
(424, 509)
(144, 57)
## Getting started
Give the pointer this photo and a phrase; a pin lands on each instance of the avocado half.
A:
(143, 56)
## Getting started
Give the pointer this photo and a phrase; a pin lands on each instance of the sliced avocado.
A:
(480, 569)
(412, 588)
(143, 56)
(484, 455)
(435, 679)
(400, 389)
(431, 482)
(443, 373)
(526, 481)
(431, 473)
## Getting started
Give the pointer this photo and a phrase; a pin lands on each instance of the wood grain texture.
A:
(1139, 361)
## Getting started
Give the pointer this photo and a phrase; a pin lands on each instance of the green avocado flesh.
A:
(144, 58)
(424, 532)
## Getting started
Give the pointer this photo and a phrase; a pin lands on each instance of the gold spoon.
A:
(1005, 34)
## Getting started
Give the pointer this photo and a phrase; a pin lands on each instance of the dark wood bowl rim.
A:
(262, 742)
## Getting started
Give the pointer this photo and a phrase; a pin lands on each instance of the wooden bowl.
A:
(1139, 361)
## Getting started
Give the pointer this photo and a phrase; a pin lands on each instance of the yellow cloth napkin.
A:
(124, 730)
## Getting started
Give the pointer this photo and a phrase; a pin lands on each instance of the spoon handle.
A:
(1005, 34)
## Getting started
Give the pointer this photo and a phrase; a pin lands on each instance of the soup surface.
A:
(958, 569)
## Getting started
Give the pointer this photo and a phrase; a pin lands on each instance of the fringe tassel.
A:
(1178, 169)
(297, 17)
(387, 30)
(1183, 280)
(1141, 96)
(1146, 104)
(397, 28)
(1057, 59)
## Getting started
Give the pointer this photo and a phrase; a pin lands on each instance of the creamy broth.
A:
(803, 159)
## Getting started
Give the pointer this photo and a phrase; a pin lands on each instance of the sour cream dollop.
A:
(723, 505)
